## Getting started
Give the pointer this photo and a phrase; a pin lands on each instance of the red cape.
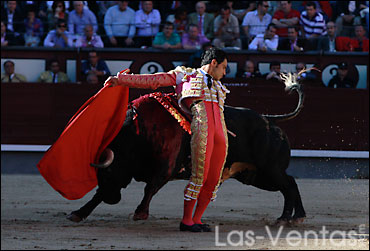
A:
(66, 164)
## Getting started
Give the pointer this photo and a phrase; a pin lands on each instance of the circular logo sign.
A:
(151, 68)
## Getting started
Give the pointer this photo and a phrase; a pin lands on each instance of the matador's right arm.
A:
(143, 81)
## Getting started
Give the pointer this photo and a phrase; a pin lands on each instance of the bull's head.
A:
(107, 158)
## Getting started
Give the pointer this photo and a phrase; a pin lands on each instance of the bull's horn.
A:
(109, 156)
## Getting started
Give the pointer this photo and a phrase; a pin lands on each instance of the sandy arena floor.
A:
(33, 217)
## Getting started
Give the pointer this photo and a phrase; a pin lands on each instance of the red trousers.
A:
(208, 149)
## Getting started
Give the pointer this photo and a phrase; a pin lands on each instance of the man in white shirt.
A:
(266, 42)
(89, 39)
(256, 22)
(147, 21)
(119, 24)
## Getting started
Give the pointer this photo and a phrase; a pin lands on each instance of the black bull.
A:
(153, 148)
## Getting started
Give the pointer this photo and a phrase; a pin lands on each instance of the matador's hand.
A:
(113, 81)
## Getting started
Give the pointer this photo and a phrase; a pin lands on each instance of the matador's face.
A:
(218, 71)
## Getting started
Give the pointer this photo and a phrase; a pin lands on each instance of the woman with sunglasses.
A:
(58, 11)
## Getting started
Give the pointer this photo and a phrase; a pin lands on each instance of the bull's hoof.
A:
(282, 222)
(73, 217)
(140, 216)
(297, 221)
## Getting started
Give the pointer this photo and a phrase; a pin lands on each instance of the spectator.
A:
(58, 11)
(147, 21)
(95, 65)
(40, 8)
(324, 8)
(7, 36)
(53, 75)
(293, 42)
(167, 39)
(285, 17)
(249, 71)
(312, 22)
(119, 24)
(89, 39)
(266, 42)
(80, 17)
(308, 75)
(34, 28)
(349, 15)
(329, 42)
(92, 79)
(360, 42)
(179, 19)
(256, 22)
(192, 39)
(341, 80)
(202, 19)
(58, 38)
(13, 18)
(9, 75)
(226, 30)
(274, 74)
(240, 13)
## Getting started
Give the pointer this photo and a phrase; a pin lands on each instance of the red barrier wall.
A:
(333, 119)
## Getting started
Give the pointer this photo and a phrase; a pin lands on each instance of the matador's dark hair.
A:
(212, 53)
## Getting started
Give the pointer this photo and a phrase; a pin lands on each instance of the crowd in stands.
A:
(263, 26)
(248, 25)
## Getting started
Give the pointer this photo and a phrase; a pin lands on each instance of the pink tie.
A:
(200, 25)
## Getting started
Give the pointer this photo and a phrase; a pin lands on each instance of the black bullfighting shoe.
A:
(192, 228)
(205, 227)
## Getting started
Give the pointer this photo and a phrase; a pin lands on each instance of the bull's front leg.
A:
(142, 211)
(85, 211)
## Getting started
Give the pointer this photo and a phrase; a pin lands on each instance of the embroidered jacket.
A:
(189, 83)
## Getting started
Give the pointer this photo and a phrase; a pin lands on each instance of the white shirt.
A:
(259, 41)
(147, 24)
(256, 26)
(56, 76)
(10, 21)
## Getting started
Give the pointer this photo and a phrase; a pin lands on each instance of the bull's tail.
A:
(291, 84)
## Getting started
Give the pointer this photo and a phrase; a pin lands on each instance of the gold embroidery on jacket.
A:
(199, 129)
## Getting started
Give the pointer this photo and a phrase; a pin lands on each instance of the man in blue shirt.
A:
(96, 66)
(80, 17)
(58, 38)
(119, 24)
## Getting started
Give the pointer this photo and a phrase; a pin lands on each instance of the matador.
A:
(201, 94)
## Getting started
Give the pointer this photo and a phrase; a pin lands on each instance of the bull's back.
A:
(258, 141)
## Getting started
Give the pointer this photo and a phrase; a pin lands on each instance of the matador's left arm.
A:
(143, 81)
